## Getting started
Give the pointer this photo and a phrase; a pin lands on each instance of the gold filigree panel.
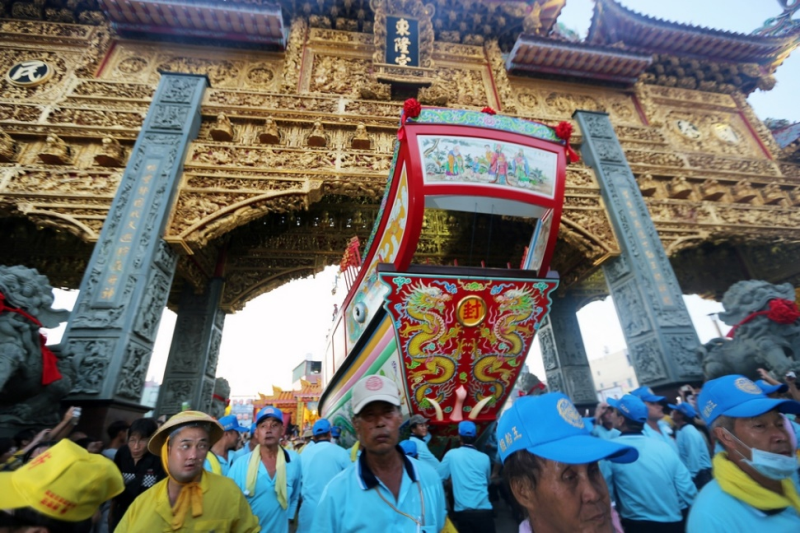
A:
(136, 62)
(465, 85)
(341, 74)
(558, 101)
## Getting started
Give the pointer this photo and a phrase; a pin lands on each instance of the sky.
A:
(263, 343)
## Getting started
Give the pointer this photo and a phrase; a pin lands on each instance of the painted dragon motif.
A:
(425, 305)
(516, 306)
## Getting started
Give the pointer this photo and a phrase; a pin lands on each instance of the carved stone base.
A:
(318, 141)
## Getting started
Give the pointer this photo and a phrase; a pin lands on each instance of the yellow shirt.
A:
(224, 510)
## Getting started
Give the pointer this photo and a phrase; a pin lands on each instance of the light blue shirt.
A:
(356, 500)
(606, 434)
(716, 511)
(319, 464)
(264, 504)
(470, 471)
(224, 464)
(665, 435)
(241, 452)
(656, 486)
(424, 454)
(693, 449)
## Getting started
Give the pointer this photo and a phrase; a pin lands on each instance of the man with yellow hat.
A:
(58, 490)
(190, 499)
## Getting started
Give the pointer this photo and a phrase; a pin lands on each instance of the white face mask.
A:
(771, 465)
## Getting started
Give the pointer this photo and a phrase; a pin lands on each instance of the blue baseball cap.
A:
(269, 412)
(631, 407)
(588, 422)
(230, 423)
(684, 408)
(253, 427)
(550, 427)
(321, 427)
(336, 431)
(738, 397)
(647, 395)
(772, 389)
(409, 448)
(466, 428)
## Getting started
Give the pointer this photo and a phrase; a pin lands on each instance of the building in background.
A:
(613, 374)
(299, 406)
(309, 370)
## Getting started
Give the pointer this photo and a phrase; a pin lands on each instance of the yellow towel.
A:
(191, 494)
(735, 482)
(281, 490)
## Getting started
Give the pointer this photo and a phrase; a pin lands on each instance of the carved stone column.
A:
(124, 289)
(194, 353)
(565, 362)
(658, 330)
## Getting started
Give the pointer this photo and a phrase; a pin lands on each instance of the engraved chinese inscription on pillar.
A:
(402, 41)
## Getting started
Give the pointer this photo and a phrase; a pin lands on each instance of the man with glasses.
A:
(190, 499)
(383, 490)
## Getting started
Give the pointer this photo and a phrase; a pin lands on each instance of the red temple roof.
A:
(613, 24)
(576, 60)
(254, 23)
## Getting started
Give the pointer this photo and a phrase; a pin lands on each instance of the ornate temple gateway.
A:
(198, 154)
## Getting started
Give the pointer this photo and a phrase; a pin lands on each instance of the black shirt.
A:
(138, 478)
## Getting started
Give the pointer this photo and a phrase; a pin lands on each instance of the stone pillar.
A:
(194, 353)
(124, 289)
(565, 363)
(658, 330)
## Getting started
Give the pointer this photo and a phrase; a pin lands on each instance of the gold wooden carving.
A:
(722, 187)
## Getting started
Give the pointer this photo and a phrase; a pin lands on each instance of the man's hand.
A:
(600, 410)
(40, 436)
(763, 374)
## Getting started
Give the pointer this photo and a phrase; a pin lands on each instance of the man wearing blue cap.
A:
(656, 426)
(470, 471)
(418, 425)
(320, 464)
(248, 446)
(269, 476)
(653, 491)
(755, 486)
(221, 457)
(550, 461)
(384, 490)
(692, 445)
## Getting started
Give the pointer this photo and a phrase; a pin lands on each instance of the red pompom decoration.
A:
(783, 311)
(780, 311)
(412, 108)
(488, 110)
(564, 132)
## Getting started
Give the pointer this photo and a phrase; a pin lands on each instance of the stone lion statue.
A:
(222, 394)
(32, 380)
(766, 332)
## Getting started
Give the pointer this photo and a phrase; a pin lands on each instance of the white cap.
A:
(374, 389)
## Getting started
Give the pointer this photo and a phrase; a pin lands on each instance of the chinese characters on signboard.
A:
(402, 41)
(129, 237)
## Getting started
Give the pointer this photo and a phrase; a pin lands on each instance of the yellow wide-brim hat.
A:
(184, 418)
(65, 482)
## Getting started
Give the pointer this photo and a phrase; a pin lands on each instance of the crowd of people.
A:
(722, 459)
